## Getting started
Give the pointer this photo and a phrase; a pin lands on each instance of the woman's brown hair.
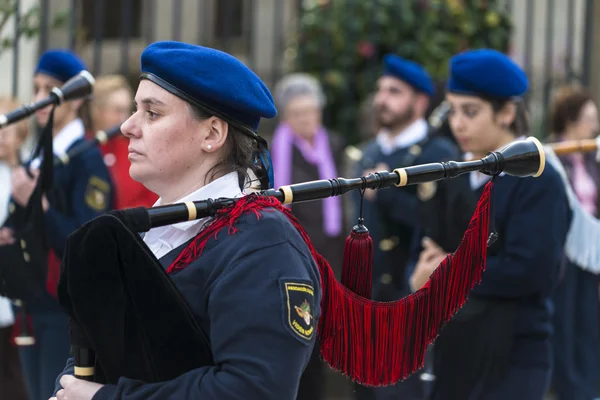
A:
(104, 87)
(566, 107)
(107, 85)
(520, 125)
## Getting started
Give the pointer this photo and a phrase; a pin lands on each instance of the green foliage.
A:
(342, 42)
(29, 22)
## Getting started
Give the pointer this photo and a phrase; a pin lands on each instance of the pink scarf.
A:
(583, 184)
(320, 155)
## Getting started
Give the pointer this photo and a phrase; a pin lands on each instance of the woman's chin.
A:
(137, 173)
(41, 120)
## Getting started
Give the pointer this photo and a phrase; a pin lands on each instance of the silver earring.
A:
(209, 147)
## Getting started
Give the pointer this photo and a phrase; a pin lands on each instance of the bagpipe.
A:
(575, 146)
(80, 86)
(445, 210)
(101, 137)
(24, 263)
(115, 290)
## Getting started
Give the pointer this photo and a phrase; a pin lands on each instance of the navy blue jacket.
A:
(532, 217)
(83, 191)
(257, 293)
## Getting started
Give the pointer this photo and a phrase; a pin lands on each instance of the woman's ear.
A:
(217, 134)
(421, 103)
(506, 115)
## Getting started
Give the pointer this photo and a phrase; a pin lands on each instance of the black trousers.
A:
(12, 384)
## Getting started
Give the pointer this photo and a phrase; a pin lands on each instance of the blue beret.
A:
(60, 64)
(410, 72)
(211, 79)
(488, 73)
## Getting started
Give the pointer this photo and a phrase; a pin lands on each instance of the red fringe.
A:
(357, 268)
(375, 343)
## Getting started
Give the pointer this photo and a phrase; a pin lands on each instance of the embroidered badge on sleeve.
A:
(97, 193)
(299, 299)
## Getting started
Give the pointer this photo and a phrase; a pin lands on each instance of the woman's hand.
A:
(429, 259)
(76, 389)
(6, 236)
(23, 185)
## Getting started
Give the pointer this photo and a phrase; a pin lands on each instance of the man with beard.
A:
(402, 97)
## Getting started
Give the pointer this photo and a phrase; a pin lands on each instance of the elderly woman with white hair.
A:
(303, 150)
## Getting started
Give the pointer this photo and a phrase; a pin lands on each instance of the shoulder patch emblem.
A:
(299, 299)
(426, 190)
(97, 193)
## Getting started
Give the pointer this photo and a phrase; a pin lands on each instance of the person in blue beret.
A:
(82, 190)
(255, 291)
(499, 345)
(402, 97)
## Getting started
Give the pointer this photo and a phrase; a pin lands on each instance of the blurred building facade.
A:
(552, 39)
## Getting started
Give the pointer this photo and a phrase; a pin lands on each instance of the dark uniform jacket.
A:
(393, 217)
(257, 294)
(82, 190)
(507, 320)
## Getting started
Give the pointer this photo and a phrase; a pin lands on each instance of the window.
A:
(229, 19)
(110, 14)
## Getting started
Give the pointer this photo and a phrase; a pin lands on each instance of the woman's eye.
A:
(471, 113)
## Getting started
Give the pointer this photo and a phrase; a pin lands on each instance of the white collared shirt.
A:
(72, 132)
(163, 239)
(6, 314)
(413, 133)
(476, 178)
(5, 190)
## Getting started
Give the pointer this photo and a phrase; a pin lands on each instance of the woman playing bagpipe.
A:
(574, 117)
(193, 136)
(224, 299)
(499, 345)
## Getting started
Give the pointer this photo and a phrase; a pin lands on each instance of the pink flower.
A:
(366, 49)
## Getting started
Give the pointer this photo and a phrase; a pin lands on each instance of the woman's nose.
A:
(129, 128)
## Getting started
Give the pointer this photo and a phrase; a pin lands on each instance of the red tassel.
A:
(357, 268)
(376, 343)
